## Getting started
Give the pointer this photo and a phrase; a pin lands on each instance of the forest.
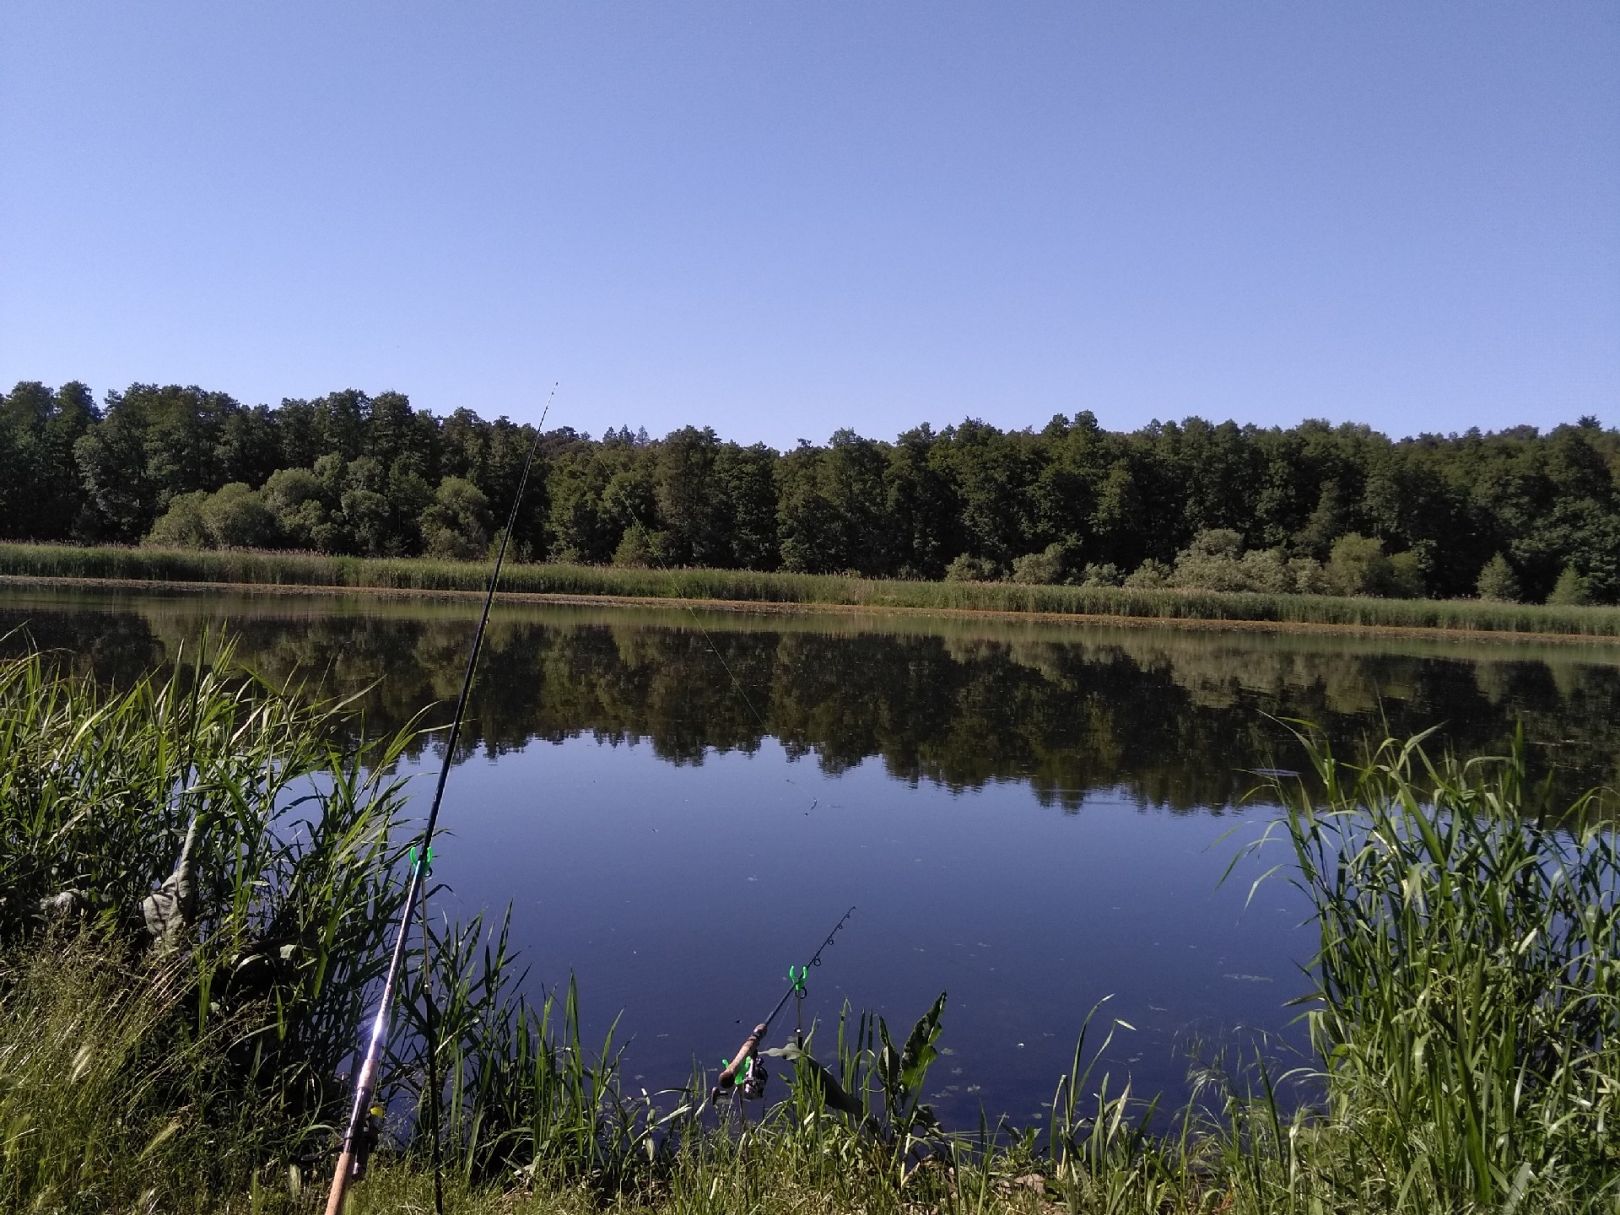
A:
(1512, 515)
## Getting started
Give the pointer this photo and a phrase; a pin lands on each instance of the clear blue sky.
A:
(778, 219)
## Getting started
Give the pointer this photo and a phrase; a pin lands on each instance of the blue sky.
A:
(778, 219)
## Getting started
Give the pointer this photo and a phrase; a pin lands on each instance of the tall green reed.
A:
(294, 875)
(521, 1096)
(1468, 997)
(299, 876)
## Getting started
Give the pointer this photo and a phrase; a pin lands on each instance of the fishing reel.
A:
(365, 1140)
(748, 1080)
(743, 1071)
(753, 1085)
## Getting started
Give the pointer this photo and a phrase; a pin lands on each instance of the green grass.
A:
(1469, 980)
(1466, 1008)
(746, 586)
(232, 1028)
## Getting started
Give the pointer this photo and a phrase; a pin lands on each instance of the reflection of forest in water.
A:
(1177, 718)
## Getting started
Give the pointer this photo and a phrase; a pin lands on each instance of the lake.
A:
(1034, 817)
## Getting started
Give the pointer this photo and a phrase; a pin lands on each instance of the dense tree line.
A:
(1314, 508)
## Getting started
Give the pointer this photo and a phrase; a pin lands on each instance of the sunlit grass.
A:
(1469, 979)
(747, 586)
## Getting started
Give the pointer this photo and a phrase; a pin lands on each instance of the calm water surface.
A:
(1032, 817)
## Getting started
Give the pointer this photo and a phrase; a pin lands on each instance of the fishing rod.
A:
(747, 1053)
(746, 1061)
(366, 1083)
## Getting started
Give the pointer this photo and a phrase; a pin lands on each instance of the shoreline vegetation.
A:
(177, 1051)
(1514, 516)
(778, 590)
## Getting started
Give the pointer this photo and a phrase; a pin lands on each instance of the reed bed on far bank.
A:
(282, 569)
(1466, 1007)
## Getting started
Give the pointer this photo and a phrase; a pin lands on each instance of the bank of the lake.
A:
(778, 590)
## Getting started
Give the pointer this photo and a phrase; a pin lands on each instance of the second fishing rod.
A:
(744, 1064)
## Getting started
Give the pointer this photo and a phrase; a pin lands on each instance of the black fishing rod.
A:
(366, 1083)
(748, 1052)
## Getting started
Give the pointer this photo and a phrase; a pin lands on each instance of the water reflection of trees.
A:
(1176, 719)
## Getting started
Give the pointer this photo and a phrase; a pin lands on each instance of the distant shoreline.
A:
(778, 607)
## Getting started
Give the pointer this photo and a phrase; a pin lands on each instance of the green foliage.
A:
(1266, 572)
(1216, 561)
(1213, 562)
(182, 525)
(265, 974)
(903, 1072)
(1497, 582)
(1150, 575)
(748, 481)
(1468, 1004)
(689, 498)
(1358, 566)
(95, 1085)
(1101, 573)
(1136, 599)
(643, 549)
(233, 516)
(236, 517)
(968, 568)
(456, 526)
(1206, 497)
(1048, 567)
(1308, 576)
(1570, 589)
(1405, 576)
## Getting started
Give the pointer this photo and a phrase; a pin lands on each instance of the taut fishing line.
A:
(365, 1084)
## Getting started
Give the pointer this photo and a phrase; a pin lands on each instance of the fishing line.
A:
(724, 665)
(366, 1083)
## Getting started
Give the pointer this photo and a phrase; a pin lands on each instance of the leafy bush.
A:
(1405, 578)
(968, 568)
(236, 517)
(1497, 581)
(1570, 590)
(1215, 561)
(1357, 566)
(642, 547)
(1045, 568)
(1308, 576)
(233, 516)
(456, 526)
(181, 526)
(1150, 575)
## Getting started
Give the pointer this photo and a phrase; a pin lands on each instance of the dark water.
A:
(1031, 817)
